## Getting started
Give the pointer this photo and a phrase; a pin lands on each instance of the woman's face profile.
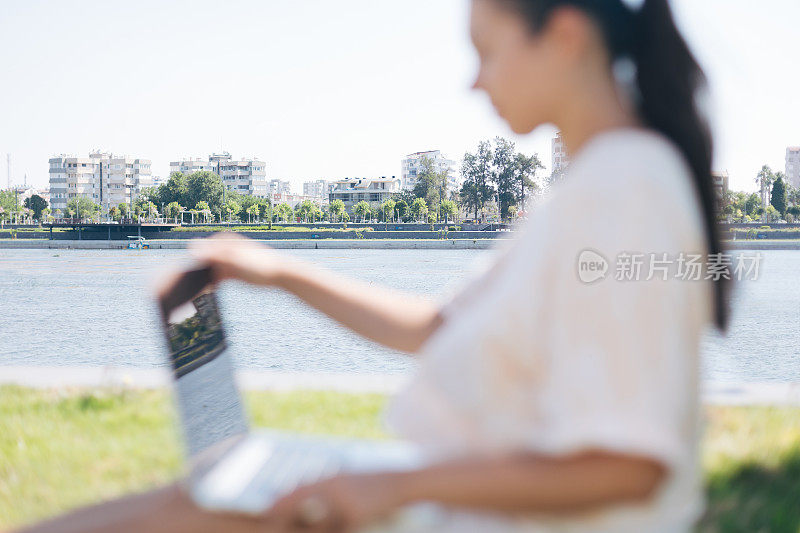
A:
(523, 73)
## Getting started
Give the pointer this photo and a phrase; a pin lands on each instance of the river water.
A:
(93, 307)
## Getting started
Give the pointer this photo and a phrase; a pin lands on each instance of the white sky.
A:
(328, 89)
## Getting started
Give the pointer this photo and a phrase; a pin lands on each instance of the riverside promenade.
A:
(288, 244)
(53, 377)
(339, 244)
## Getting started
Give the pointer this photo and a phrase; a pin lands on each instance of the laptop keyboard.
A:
(291, 465)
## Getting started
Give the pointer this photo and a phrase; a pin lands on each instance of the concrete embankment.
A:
(337, 244)
(49, 377)
(764, 245)
(304, 244)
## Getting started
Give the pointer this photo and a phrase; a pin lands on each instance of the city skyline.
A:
(317, 103)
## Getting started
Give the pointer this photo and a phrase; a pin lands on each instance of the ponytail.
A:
(668, 81)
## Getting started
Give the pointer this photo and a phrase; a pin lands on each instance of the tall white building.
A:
(560, 158)
(316, 188)
(793, 166)
(104, 178)
(412, 169)
(245, 176)
(719, 182)
(277, 186)
(192, 165)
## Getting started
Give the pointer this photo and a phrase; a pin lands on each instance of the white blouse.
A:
(534, 354)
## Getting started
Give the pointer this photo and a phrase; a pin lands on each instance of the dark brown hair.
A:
(668, 80)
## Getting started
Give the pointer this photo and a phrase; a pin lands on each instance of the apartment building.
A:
(719, 181)
(104, 178)
(246, 176)
(374, 191)
(23, 192)
(278, 186)
(316, 188)
(560, 158)
(793, 166)
(412, 168)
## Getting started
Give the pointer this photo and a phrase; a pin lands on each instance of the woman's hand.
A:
(232, 256)
(341, 504)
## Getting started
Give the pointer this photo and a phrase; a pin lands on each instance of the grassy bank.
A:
(59, 450)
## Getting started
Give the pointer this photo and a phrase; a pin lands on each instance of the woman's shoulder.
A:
(630, 157)
(626, 167)
(630, 182)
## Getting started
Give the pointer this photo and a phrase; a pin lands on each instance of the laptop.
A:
(234, 468)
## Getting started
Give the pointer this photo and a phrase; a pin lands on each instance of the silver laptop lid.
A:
(209, 403)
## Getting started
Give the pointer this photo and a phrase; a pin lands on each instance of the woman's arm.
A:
(520, 483)
(530, 483)
(397, 320)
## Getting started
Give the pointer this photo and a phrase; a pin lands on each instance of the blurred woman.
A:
(558, 387)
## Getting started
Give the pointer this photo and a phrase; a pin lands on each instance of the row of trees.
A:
(497, 172)
(784, 200)
(33, 208)
(428, 202)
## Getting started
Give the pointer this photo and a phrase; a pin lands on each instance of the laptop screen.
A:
(208, 400)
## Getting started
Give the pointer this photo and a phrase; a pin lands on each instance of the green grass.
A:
(752, 464)
(59, 450)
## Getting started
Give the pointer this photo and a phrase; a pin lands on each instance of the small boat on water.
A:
(136, 242)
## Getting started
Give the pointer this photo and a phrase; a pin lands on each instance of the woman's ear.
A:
(570, 32)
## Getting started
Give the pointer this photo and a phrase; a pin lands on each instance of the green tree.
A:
(525, 168)
(779, 198)
(285, 212)
(361, 210)
(203, 208)
(752, 204)
(207, 187)
(772, 213)
(307, 210)
(252, 211)
(765, 177)
(231, 209)
(173, 210)
(114, 213)
(316, 213)
(150, 194)
(504, 175)
(476, 172)
(764, 180)
(176, 189)
(123, 210)
(387, 208)
(336, 208)
(266, 210)
(150, 210)
(449, 209)
(36, 204)
(8, 205)
(82, 208)
(431, 182)
(401, 208)
(419, 208)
